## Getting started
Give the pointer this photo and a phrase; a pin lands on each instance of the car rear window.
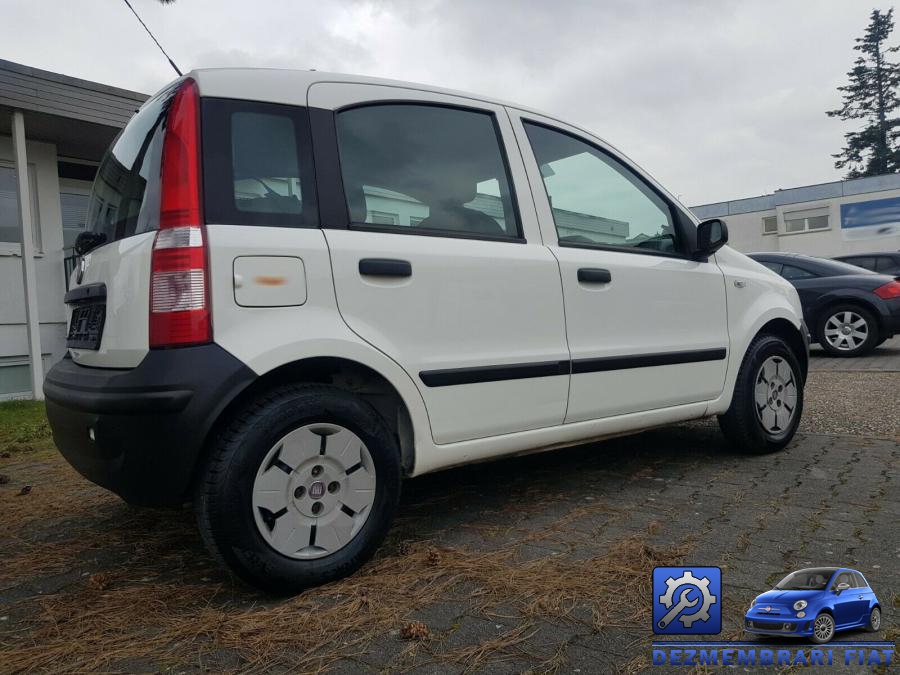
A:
(257, 164)
(125, 196)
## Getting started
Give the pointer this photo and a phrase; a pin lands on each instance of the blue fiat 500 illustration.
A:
(815, 603)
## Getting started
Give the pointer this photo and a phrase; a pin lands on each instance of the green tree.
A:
(871, 95)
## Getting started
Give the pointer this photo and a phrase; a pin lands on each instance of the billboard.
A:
(871, 220)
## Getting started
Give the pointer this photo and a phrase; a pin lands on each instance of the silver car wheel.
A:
(775, 394)
(846, 330)
(875, 619)
(823, 627)
(314, 491)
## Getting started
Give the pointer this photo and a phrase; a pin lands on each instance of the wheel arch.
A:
(343, 373)
(788, 332)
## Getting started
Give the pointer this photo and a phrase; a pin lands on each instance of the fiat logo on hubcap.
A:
(317, 490)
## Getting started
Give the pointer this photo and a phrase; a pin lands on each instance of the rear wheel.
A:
(768, 398)
(299, 489)
(848, 330)
(874, 620)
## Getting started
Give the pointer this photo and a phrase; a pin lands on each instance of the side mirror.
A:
(87, 241)
(711, 236)
(842, 587)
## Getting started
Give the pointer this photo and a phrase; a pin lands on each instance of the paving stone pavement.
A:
(672, 495)
(885, 358)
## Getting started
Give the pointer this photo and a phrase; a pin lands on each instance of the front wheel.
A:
(768, 398)
(823, 629)
(299, 489)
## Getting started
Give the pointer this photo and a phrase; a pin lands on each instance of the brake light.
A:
(179, 268)
(889, 291)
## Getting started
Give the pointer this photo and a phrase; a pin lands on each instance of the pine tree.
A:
(871, 95)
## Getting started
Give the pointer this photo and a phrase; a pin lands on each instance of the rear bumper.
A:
(139, 432)
(891, 319)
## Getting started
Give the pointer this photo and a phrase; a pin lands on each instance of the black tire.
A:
(741, 424)
(874, 620)
(872, 333)
(223, 496)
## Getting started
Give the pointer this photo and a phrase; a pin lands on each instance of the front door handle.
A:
(594, 275)
(385, 267)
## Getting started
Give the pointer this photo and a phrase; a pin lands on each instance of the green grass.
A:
(23, 427)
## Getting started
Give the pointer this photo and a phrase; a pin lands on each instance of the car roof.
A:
(281, 85)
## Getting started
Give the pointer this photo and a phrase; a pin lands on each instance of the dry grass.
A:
(89, 584)
(138, 593)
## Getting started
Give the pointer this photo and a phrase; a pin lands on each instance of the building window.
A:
(74, 208)
(770, 225)
(10, 230)
(806, 221)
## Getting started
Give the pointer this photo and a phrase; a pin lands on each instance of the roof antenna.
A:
(152, 37)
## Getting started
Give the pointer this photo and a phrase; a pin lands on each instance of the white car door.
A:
(435, 260)
(646, 322)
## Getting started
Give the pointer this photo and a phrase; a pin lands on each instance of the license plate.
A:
(86, 326)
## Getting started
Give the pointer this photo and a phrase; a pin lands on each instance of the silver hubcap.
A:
(775, 394)
(314, 491)
(846, 331)
(875, 619)
(823, 627)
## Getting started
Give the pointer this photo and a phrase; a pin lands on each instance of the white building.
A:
(851, 216)
(54, 129)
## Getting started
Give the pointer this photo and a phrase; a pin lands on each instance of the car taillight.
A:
(889, 291)
(179, 269)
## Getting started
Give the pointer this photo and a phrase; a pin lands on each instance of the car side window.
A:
(842, 578)
(597, 200)
(792, 273)
(883, 264)
(774, 266)
(860, 582)
(426, 169)
(257, 161)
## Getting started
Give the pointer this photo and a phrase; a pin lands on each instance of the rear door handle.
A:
(594, 275)
(385, 267)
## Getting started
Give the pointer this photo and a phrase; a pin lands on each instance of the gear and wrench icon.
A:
(701, 584)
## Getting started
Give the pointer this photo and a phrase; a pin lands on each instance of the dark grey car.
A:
(882, 262)
(849, 310)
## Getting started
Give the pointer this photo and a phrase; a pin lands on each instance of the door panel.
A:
(436, 265)
(646, 325)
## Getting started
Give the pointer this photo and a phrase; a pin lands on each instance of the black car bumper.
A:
(139, 432)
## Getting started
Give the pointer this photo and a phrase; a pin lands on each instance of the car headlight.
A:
(753, 602)
(800, 604)
(800, 615)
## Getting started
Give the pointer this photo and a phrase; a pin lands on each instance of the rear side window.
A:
(125, 196)
(425, 169)
(885, 264)
(257, 164)
(793, 273)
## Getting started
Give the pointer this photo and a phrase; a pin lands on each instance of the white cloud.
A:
(718, 99)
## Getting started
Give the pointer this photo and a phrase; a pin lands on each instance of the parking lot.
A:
(538, 564)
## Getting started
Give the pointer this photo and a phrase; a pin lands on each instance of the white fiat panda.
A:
(298, 288)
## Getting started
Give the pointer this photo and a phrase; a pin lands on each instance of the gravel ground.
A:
(854, 403)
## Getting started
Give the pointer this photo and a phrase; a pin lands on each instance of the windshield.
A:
(806, 580)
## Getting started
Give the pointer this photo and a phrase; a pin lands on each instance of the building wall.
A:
(745, 218)
(14, 367)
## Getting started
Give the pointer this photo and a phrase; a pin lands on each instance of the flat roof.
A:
(41, 91)
(799, 195)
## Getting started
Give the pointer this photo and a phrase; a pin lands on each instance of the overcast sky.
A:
(718, 99)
